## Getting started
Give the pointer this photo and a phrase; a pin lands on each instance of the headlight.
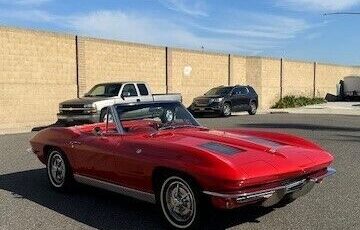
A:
(216, 99)
(60, 106)
(91, 107)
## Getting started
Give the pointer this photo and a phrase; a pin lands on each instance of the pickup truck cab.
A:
(92, 107)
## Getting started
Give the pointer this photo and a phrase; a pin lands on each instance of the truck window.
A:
(143, 90)
(129, 90)
(104, 90)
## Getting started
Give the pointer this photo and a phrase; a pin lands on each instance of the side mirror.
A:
(125, 94)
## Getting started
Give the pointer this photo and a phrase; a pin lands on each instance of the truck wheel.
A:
(226, 111)
(180, 202)
(253, 108)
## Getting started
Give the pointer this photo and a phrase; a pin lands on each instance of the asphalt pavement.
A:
(28, 202)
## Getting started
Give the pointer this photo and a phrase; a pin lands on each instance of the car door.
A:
(94, 156)
(235, 99)
(244, 98)
(240, 98)
(128, 94)
(144, 93)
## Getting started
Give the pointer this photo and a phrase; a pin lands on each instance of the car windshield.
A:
(104, 90)
(218, 91)
(158, 116)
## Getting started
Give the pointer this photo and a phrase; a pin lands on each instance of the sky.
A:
(292, 29)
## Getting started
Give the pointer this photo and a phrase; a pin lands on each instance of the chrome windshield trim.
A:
(116, 119)
(244, 196)
(137, 194)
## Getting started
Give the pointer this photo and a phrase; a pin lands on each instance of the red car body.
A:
(233, 167)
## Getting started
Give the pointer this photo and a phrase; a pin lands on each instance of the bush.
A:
(293, 102)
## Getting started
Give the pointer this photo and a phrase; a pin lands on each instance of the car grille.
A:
(76, 106)
(204, 101)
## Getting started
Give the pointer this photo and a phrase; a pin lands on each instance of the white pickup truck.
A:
(93, 106)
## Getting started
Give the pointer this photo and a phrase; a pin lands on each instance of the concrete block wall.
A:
(193, 73)
(327, 76)
(238, 70)
(37, 71)
(112, 61)
(270, 82)
(298, 78)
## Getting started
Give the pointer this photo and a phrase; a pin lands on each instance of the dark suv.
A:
(226, 99)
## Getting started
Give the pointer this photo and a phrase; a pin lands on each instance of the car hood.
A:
(83, 100)
(262, 156)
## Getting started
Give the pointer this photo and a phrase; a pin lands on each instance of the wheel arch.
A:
(228, 102)
(255, 100)
(47, 149)
(159, 173)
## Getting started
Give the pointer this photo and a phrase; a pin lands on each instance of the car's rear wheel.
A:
(58, 170)
(226, 110)
(253, 108)
(180, 202)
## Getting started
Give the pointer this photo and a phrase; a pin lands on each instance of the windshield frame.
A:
(117, 108)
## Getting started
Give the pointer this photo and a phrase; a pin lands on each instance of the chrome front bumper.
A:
(273, 195)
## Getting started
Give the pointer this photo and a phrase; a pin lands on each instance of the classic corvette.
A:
(157, 152)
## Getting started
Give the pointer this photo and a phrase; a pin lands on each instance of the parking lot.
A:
(28, 202)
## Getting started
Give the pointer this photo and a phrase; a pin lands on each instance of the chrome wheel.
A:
(227, 110)
(56, 169)
(178, 202)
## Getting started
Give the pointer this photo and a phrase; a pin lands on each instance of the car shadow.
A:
(106, 210)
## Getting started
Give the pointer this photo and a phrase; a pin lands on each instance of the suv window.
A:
(143, 90)
(130, 90)
(240, 91)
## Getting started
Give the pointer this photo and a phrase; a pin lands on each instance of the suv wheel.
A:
(253, 108)
(226, 110)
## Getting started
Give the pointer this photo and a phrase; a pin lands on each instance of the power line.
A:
(342, 13)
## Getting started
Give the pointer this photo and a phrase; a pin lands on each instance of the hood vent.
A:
(220, 148)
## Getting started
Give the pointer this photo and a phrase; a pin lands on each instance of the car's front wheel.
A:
(58, 170)
(180, 203)
(226, 110)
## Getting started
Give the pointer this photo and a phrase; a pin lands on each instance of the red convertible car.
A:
(157, 152)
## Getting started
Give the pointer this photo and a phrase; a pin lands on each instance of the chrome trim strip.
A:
(242, 197)
(148, 197)
(74, 109)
